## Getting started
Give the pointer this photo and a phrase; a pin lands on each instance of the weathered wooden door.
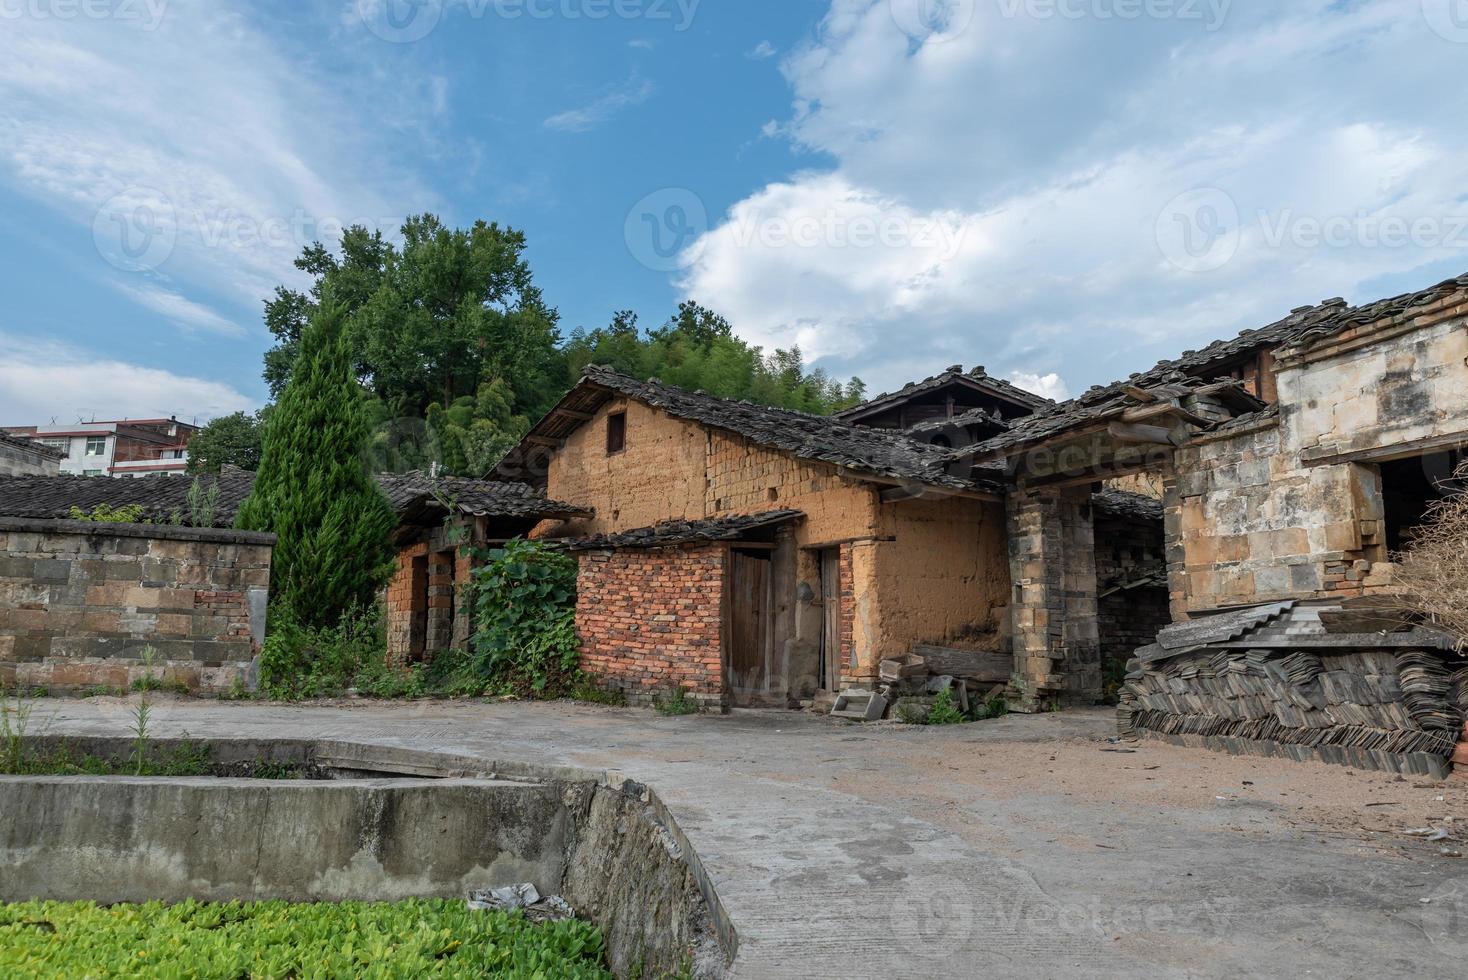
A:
(830, 678)
(749, 626)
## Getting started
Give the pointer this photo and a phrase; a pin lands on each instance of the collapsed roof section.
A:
(882, 455)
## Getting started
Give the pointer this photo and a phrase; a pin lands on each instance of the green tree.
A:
(232, 440)
(313, 490)
(429, 321)
(473, 434)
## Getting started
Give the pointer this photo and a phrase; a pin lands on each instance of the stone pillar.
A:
(1052, 558)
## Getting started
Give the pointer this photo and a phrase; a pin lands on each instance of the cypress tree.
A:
(314, 490)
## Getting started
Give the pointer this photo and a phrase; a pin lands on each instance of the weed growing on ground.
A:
(13, 724)
(586, 690)
(676, 702)
(944, 711)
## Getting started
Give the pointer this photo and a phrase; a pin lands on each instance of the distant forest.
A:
(458, 353)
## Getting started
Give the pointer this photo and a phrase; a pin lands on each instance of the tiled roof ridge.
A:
(881, 452)
(32, 444)
(726, 527)
(977, 373)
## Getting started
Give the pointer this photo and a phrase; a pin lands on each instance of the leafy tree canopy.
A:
(456, 351)
(230, 440)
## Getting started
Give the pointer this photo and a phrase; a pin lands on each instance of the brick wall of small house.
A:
(652, 620)
(81, 603)
(406, 606)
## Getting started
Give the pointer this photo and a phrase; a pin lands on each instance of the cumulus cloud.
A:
(40, 381)
(1178, 181)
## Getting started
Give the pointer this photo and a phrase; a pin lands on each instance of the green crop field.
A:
(279, 939)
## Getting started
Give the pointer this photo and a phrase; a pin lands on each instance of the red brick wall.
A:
(407, 605)
(652, 620)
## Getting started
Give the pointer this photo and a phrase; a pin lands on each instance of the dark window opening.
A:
(1409, 488)
(616, 432)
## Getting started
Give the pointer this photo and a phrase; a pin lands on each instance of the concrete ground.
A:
(1029, 846)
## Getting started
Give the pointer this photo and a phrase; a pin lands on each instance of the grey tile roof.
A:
(412, 496)
(1305, 325)
(977, 378)
(819, 438)
(160, 496)
(670, 533)
(21, 442)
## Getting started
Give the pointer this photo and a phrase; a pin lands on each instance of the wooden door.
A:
(749, 626)
(830, 678)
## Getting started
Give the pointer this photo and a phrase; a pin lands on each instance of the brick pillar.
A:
(1052, 558)
(440, 603)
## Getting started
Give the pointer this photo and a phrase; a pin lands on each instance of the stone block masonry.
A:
(81, 602)
(652, 620)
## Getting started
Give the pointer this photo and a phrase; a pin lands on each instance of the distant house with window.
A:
(120, 448)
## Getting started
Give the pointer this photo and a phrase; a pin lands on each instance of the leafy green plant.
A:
(524, 601)
(237, 691)
(434, 938)
(585, 690)
(912, 712)
(101, 691)
(107, 514)
(676, 702)
(944, 710)
(13, 724)
(311, 662)
(203, 503)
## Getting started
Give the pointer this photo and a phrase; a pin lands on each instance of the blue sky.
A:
(1062, 190)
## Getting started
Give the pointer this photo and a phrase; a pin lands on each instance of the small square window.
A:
(96, 445)
(616, 432)
(91, 472)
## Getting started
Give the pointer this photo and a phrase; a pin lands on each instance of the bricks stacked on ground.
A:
(1389, 710)
(650, 621)
(80, 602)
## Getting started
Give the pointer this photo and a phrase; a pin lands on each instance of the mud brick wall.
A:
(80, 602)
(652, 620)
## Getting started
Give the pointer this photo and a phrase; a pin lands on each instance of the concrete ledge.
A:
(162, 532)
(606, 843)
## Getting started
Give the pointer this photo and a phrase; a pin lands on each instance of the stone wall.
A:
(1291, 506)
(81, 602)
(1057, 647)
(652, 620)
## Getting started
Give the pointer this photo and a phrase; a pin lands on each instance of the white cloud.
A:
(245, 155)
(181, 311)
(761, 51)
(1049, 385)
(1050, 252)
(632, 93)
(39, 381)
